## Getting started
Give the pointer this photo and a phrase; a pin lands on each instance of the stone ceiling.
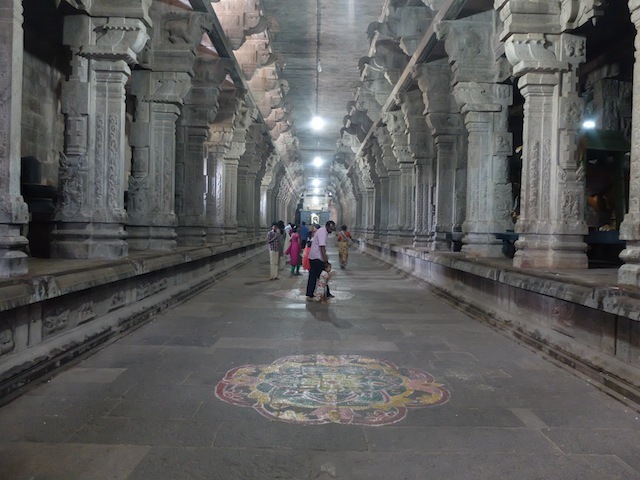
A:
(335, 31)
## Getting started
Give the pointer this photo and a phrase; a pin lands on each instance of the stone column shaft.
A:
(190, 185)
(13, 210)
(629, 273)
(423, 175)
(90, 217)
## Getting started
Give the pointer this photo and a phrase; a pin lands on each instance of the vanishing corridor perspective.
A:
(483, 154)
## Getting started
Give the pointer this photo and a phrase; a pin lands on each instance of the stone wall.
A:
(43, 75)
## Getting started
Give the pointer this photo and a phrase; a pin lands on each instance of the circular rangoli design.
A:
(318, 389)
(299, 294)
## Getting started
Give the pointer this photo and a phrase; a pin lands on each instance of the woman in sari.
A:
(344, 238)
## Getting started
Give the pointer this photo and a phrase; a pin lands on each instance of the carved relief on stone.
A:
(534, 179)
(186, 28)
(56, 321)
(6, 341)
(71, 185)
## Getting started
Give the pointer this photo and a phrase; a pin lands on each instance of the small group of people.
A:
(308, 246)
(286, 240)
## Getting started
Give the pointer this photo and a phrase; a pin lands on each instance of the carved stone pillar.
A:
(264, 206)
(629, 273)
(485, 110)
(434, 80)
(215, 148)
(160, 93)
(152, 218)
(242, 200)
(200, 109)
(13, 209)
(484, 105)
(551, 223)
(90, 216)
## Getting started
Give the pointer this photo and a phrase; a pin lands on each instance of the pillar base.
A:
(484, 245)
(152, 238)
(89, 241)
(190, 236)
(551, 251)
(629, 273)
(13, 263)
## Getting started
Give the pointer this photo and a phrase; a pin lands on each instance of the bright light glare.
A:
(589, 124)
(314, 200)
(316, 191)
(317, 123)
(317, 162)
(315, 182)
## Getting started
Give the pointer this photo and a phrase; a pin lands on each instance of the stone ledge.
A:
(592, 329)
(32, 288)
(83, 308)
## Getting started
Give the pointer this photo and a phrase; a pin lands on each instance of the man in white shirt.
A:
(318, 256)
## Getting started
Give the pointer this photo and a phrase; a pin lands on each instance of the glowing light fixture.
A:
(317, 123)
(589, 124)
(315, 182)
(317, 162)
(316, 191)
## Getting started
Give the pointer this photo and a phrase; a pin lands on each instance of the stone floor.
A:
(385, 382)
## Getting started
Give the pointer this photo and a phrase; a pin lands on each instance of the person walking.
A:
(273, 243)
(344, 241)
(318, 257)
(294, 250)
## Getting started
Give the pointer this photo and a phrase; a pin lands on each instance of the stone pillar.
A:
(629, 273)
(485, 111)
(242, 200)
(13, 210)
(90, 216)
(551, 225)
(423, 215)
(160, 93)
(484, 104)
(442, 120)
(192, 151)
(264, 207)
(152, 219)
(215, 148)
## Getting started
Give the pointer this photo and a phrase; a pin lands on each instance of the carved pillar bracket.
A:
(13, 209)
(551, 223)
(91, 216)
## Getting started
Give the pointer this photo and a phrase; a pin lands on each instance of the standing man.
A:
(304, 233)
(273, 242)
(318, 257)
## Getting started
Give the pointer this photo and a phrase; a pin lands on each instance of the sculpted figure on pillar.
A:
(551, 223)
(90, 216)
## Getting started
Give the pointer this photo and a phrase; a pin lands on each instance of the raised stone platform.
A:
(580, 317)
(64, 308)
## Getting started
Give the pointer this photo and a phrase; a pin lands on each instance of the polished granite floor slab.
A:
(248, 381)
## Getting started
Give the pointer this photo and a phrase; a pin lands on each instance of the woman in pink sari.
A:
(294, 251)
